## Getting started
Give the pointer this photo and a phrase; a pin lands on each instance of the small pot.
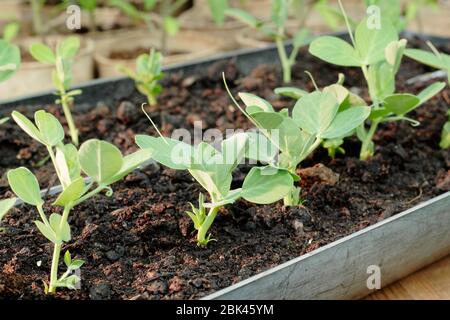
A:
(185, 45)
(33, 76)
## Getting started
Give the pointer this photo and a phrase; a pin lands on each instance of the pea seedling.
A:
(378, 52)
(213, 169)
(316, 117)
(100, 161)
(277, 31)
(147, 75)
(62, 59)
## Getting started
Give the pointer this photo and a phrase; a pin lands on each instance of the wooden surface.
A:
(432, 282)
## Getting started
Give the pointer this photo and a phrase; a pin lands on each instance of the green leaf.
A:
(267, 120)
(46, 231)
(42, 53)
(169, 152)
(315, 112)
(334, 50)
(100, 160)
(346, 122)
(430, 91)
(5, 206)
(401, 103)
(171, 25)
(260, 148)
(76, 264)
(26, 125)
(243, 16)
(266, 185)
(9, 60)
(67, 259)
(130, 163)
(70, 282)
(428, 58)
(371, 42)
(394, 52)
(51, 130)
(339, 92)
(253, 100)
(71, 193)
(290, 92)
(25, 185)
(68, 49)
(3, 120)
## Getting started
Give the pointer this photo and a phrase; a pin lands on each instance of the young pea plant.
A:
(62, 59)
(101, 162)
(159, 15)
(213, 169)
(377, 51)
(147, 75)
(277, 31)
(316, 117)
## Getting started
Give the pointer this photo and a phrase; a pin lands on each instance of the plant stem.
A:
(53, 157)
(89, 195)
(57, 252)
(285, 62)
(68, 114)
(54, 269)
(37, 19)
(366, 151)
(201, 235)
(292, 198)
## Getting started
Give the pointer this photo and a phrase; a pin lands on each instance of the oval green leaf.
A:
(25, 185)
(100, 160)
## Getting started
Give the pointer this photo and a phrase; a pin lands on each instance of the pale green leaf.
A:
(371, 42)
(9, 60)
(401, 103)
(430, 91)
(5, 206)
(266, 185)
(25, 185)
(253, 100)
(51, 130)
(346, 122)
(100, 160)
(315, 112)
(42, 53)
(290, 92)
(130, 163)
(47, 232)
(69, 47)
(26, 125)
(71, 193)
(334, 50)
(169, 152)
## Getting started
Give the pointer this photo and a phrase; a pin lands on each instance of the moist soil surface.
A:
(139, 244)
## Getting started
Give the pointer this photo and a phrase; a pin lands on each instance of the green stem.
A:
(151, 100)
(201, 235)
(89, 195)
(37, 19)
(57, 253)
(366, 151)
(42, 215)
(68, 114)
(285, 62)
